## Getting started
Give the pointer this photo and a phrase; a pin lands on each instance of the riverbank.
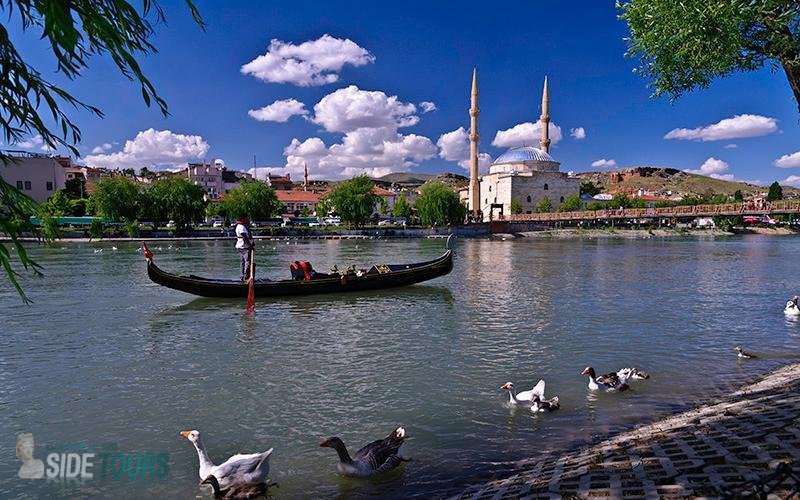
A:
(576, 233)
(745, 442)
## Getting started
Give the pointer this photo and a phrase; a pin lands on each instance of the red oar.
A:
(251, 285)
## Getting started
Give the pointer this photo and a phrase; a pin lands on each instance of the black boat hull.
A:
(399, 275)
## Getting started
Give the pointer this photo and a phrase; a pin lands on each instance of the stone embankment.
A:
(746, 444)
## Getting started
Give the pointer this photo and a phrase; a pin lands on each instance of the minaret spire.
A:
(544, 142)
(305, 176)
(474, 184)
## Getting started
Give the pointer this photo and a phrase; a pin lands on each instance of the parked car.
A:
(171, 224)
(217, 223)
(332, 221)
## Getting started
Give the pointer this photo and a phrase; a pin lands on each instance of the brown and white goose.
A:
(377, 457)
(741, 353)
(608, 382)
(524, 398)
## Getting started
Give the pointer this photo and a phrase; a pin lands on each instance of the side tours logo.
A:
(88, 461)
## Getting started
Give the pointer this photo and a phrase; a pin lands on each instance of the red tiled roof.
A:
(297, 196)
(382, 192)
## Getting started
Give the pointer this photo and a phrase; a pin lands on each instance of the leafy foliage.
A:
(588, 187)
(402, 209)
(116, 198)
(173, 198)
(438, 205)
(353, 200)
(15, 210)
(775, 192)
(255, 200)
(571, 204)
(545, 205)
(516, 206)
(685, 45)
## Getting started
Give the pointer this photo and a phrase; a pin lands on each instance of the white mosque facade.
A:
(526, 174)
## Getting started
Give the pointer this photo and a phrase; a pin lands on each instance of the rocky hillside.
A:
(661, 181)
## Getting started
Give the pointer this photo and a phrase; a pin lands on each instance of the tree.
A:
(438, 205)
(354, 200)
(174, 198)
(75, 187)
(545, 205)
(737, 196)
(685, 45)
(74, 32)
(775, 192)
(588, 187)
(401, 210)
(516, 206)
(254, 200)
(571, 204)
(116, 198)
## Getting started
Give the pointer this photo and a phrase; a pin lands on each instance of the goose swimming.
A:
(792, 308)
(236, 471)
(525, 397)
(377, 457)
(631, 373)
(741, 353)
(608, 382)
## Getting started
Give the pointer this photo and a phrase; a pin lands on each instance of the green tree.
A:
(116, 198)
(254, 200)
(516, 206)
(620, 200)
(545, 205)
(588, 187)
(401, 210)
(737, 196)
(775, 192)
(73, 32)
(323, 207)
(685, 45)
(174, 198)
(571, 204)
(75, 187)
(354, 200)
(438, 205)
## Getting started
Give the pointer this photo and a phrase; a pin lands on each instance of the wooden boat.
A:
(377, 277)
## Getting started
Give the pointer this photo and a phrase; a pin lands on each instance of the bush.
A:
(516, 206)
(571, 204)
(96, 229)
(545, 205)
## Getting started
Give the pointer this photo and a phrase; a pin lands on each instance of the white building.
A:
(36, 175)
(208, 176)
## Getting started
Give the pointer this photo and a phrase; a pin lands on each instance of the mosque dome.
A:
(525, 158)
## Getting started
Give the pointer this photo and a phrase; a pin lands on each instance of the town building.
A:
(298, 201)
(524, 175)
(280, 182)
(208, 176)
(36, 175)
(231, 179)
(389, 199)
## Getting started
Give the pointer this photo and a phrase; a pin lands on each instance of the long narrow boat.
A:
(377, 277)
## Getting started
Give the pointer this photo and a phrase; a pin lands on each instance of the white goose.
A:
(632, 373)
(234, 472)
(524, 398)
(792, 308)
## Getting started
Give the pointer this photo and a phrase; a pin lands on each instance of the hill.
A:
(414, 180)
(404, 178)
(663, 181)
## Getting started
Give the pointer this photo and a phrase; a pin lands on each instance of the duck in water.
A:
(379, 456)
(742, 354)
(792, 308)
(608, 382)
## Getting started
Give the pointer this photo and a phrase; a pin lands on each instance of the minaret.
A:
(474, 185)
(305, 176)
(544, 142)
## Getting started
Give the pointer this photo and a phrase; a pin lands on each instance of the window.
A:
(546, 187)
(19, 185)
(529, 198)
(49, 186)
(562, 199)
(490, 189)
(27, 185)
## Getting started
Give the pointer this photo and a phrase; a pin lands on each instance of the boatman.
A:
(244, 244)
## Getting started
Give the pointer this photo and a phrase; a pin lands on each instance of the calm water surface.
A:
(104, 355)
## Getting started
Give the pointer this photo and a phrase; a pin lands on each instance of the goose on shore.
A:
(524, 398)
(379, 456)
(792, 308)
(632, 373)
(239, 491)
(607, 382)
(236, 471)
(741, 353)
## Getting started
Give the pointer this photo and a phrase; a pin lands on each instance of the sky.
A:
(379, 87)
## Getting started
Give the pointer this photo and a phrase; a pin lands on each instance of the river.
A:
(105, 356)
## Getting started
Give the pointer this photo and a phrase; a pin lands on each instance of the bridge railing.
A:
(745, 208)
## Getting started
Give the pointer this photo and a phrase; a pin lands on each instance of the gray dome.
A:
(523, 154)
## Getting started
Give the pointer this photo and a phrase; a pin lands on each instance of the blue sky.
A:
(420, 51)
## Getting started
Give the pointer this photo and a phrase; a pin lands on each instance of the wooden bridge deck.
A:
(747, 208)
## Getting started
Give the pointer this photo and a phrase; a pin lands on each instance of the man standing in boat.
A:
(244, 245)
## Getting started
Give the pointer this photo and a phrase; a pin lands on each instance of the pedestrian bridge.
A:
(687, 211)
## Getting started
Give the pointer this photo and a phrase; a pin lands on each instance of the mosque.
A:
(525, 174)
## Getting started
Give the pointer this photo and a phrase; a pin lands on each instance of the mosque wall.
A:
(529, 190)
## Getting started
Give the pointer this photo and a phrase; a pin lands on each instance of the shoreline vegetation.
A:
(737, 445)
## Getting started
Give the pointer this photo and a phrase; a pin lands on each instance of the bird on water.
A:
(377, 457)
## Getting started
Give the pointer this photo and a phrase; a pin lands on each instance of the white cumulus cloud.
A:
(737, 127)
(315, 62)
(351, 108)
(153, 149)
(788, 161)
(427, 106)
(279, 111)
(454, 146)
(578, 133)
(604, 163)
(792, 180)
(525, 134)
(35, 142)
(731, 146)
(714, 168)
(102, 148)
